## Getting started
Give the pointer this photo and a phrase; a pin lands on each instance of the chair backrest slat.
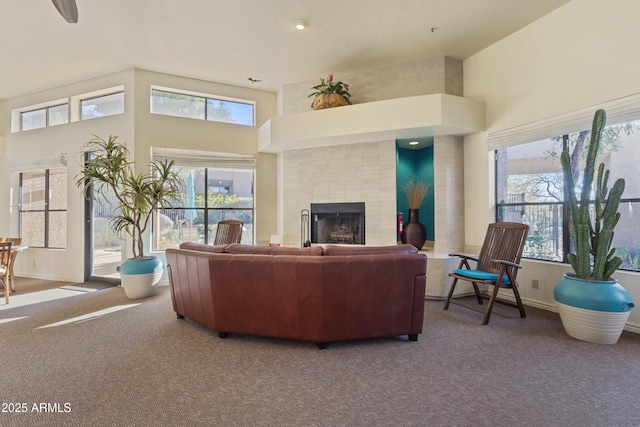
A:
(504, 241)
(228, 231)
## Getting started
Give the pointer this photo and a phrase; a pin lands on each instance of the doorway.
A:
(103, 249)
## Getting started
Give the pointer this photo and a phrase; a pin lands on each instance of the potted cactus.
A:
(592, 305)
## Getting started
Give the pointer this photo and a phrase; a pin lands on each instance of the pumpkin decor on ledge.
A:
(329, 94)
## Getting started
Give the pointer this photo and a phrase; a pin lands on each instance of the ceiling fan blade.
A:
(67, 9)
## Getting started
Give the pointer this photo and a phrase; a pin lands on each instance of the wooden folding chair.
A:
(16, 241)
(5, 272)
(497, 265)
(229, 231)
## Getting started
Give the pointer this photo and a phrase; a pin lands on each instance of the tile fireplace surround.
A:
(344, 173)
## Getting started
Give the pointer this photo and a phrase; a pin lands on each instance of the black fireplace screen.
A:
(340, 223)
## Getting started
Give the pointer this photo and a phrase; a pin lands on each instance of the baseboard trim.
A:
(629, 326)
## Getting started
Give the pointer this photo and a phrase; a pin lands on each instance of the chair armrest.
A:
(466, 257)
(507, 263)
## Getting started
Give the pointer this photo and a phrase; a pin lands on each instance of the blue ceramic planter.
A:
(596, 295)
(593, 311)
(144, 265)
(139, 276)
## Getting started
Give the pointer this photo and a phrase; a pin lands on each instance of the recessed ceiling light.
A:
(414, 143)
(301, 25)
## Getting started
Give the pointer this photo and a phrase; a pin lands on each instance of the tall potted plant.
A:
(592, 305)
(110, 171)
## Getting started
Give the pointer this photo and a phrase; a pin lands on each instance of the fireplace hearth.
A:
(338, 223)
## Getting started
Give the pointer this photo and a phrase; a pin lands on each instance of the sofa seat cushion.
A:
(335, 250)
(480, 275)
(237, 248)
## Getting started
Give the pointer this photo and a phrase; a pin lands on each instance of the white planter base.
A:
(138, 286)
(598, 327)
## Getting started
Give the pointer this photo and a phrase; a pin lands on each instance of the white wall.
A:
(141, 130)
(33, 145)
(4, 188)
(177, 132)
(578, 56)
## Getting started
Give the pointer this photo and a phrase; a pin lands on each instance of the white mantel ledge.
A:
(410, 117)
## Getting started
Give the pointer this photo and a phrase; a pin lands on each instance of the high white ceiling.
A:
(229, 41)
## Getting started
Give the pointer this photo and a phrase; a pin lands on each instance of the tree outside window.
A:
(529, 189)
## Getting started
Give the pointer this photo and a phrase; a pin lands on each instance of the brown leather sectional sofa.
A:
(315, 294)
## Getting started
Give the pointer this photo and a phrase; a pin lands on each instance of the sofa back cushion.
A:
(237, 248)
(191, 246)
(334, 250)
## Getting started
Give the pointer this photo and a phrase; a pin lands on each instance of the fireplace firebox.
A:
(339, 223)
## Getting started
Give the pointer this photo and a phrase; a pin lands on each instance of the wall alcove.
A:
(415, 162)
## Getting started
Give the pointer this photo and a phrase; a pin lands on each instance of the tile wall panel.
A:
(341, 174)
(423, 77)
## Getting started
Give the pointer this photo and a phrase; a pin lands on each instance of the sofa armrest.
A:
(190, 284)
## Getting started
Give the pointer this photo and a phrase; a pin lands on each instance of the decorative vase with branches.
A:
(413, 231)
(415, 192)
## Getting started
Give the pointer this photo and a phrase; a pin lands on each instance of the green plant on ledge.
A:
(329, 86)
(110, 170)
(593, 237)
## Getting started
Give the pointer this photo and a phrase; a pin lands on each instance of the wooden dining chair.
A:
(229, 231)
(16, 241)
(497, 265)
(5, 257)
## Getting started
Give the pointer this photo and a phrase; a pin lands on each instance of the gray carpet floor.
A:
(96, 358)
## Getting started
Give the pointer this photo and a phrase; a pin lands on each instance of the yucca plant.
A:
(111, 170)
(592, 235)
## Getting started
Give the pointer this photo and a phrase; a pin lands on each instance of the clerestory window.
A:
(203, 107)
(42, 117)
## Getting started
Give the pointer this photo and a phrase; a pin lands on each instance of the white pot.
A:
(594, 326)
(140, 276)
(592, 310)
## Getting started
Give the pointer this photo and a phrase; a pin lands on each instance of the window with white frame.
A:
(42, 117)
(216, 187)
(530, 184)
(43, 208)
(102, 105)
(204, 107)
